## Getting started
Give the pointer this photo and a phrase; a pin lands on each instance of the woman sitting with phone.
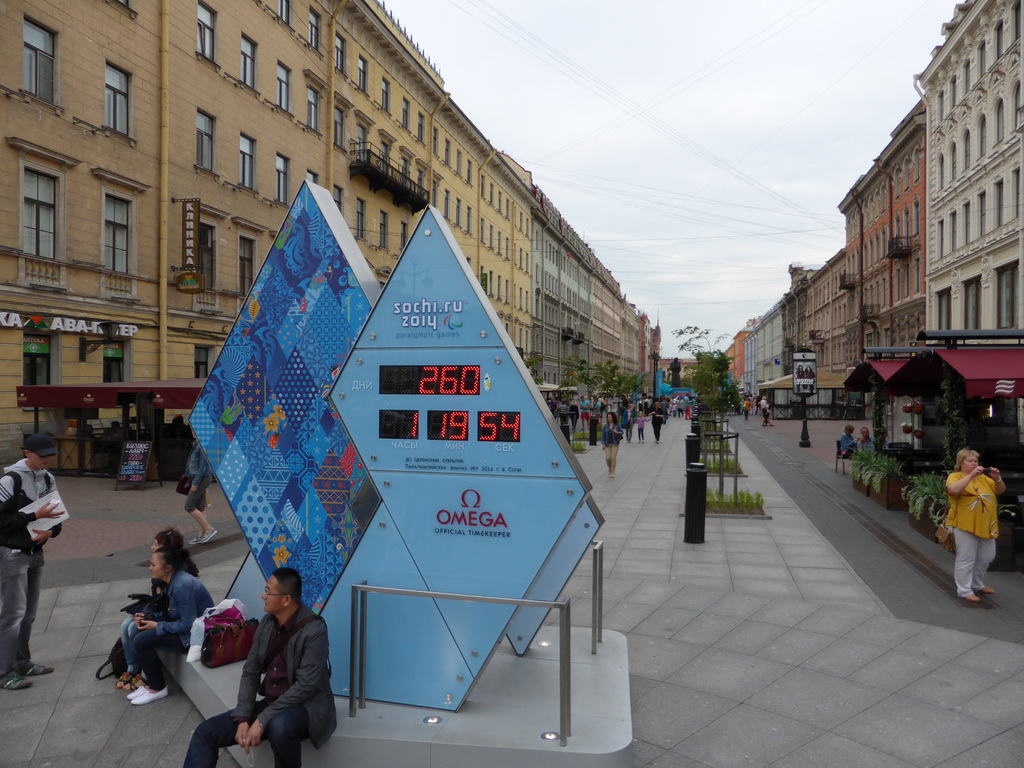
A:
(187, 599)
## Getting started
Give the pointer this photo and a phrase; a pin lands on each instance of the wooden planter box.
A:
(891, 496)
(1004, 560)
(860, 487)
(924, 526)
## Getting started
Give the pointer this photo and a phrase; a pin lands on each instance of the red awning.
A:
(920, 376)
(988, 372)
(859, 379)
(170, 394)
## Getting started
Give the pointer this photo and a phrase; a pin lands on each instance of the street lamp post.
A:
(805, 380)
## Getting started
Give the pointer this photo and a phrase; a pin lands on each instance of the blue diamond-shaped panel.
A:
(284, 461)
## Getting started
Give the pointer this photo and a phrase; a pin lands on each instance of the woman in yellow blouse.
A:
(972, 513)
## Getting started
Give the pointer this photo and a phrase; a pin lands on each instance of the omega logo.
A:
(468, 514)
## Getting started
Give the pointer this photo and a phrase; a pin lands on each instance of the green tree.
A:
(533, 364)
(709, 377)
(577, 372)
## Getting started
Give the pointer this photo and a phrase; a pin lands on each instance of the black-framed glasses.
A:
(268, 593)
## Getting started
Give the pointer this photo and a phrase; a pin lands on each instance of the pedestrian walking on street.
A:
(611, 436)
(198, 470)
(628, 420)
(657, 416)
(972, 492)
(21, 558)
(641, 421)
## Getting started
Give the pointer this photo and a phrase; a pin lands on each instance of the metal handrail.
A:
(357, 640)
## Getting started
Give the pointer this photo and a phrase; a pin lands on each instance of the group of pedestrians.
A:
(656, 413)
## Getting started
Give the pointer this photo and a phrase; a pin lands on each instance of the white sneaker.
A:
(149, 696)
(136, 693)
(207, 536)
(195, 539)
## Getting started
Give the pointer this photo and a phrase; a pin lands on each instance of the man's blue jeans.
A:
(21, 577)
(285, 732)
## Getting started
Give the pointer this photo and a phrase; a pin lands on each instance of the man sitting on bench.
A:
(289, 653)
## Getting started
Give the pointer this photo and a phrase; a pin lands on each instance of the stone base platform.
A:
(499, 726)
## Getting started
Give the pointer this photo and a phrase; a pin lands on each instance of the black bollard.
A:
(692, 449)
(695, 428)
(593, 427)
(696, 504)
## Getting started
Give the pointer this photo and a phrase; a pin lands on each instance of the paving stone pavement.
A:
(781, 641)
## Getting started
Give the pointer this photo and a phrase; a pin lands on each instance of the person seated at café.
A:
(864, 442)
(847, 442)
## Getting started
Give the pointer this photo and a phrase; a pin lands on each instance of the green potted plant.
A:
(860, 470)
(885, 477)
(927, 503)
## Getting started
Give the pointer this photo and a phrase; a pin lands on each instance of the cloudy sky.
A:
(699, 148)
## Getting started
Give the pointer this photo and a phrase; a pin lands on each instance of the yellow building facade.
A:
(147, 142)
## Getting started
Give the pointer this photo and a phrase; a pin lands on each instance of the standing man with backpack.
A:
(21, 558)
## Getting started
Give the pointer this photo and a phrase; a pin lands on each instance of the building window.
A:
(1006, 297)
(434, 188)
(205, 253)
(952, 231)
(997, 188)
(952, 91)
(458, 162)
(469, 220)
(247, 65)
(1016, 20)
(433, 142)
(314, 30)
(406, 108)
(941, 237)
(447, 152)
(338, 196)
(1000, 122)
(246, 162)
(38, 60)
(403, 234)
(982, 224)
(360, 218)
(967, 223)
(385, 95)
(420, 124)
(972, 304)
(406, 168)
(944, 310)
(204, 141)
(967, 151)
(284, 11)
(35, 359)
(201, 362)
(967, 76)
(458, 212)
(205, 25)
(339, 127)
(942, 103)
(284, 77)
(447, 204)
(385, 152)
(115, 108)
(982, 59)
(113, 361)
(281, 179)
(383, 230)
(982, 137)
(246, 256)
(362, 75)
(469, 173)
(421, 181)
(339, 53)
(952, 161)
(313, 109)
(1016, 106)
(312, 177)
(1016, 193)
(942, 171)
(39, 215)
(999, 39)
(115, 234)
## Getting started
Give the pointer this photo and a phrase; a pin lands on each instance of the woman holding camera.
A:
(972, 492)
(187, 598)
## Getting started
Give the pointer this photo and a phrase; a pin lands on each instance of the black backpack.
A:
(115, 660)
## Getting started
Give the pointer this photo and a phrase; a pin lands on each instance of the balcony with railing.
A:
(368, 161)
(868, 311)
(847, 282)
(898, 247)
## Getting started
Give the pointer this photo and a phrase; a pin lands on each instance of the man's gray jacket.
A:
(308, 676)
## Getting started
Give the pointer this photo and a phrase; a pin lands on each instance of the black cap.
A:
(40, 444)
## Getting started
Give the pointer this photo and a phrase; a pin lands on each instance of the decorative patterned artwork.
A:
(282, 457)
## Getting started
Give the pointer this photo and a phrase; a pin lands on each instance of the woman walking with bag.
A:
(973, 516)
(611, 436)
(187, 598)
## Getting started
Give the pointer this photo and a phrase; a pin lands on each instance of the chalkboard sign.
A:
(135, 459)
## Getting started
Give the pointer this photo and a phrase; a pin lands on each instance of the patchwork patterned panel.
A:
(285, 462)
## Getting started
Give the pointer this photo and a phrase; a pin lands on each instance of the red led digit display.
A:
(498, 426)
(430, 379)
(398, 425)
(447, 425)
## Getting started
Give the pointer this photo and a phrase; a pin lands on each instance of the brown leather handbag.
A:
(228, 643)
